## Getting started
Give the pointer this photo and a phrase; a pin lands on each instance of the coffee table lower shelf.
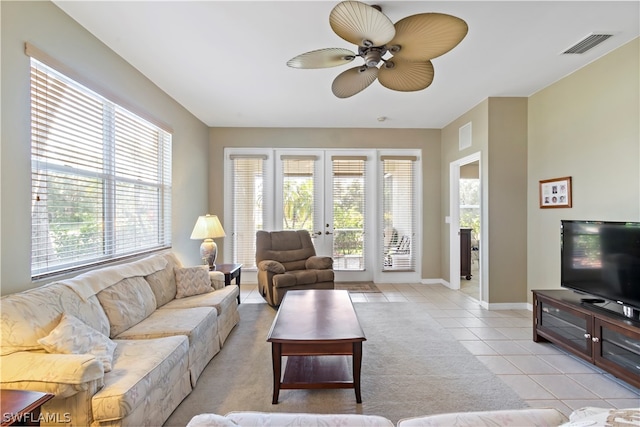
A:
(317, 372)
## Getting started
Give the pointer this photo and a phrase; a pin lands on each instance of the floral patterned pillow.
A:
(192, 281)
(72, 336)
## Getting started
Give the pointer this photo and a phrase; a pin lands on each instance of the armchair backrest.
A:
(289, 247)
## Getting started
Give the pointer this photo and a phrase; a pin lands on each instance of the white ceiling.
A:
(225, 61)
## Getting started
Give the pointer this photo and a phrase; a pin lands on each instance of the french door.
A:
(325, 193)
(360, 207)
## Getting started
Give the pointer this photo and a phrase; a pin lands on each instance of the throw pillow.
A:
(192, 281)
(72, 336)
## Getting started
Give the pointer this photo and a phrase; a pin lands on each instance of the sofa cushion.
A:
(192, 281)
(199, 324)
(72, 336)
(140, 368)
(163, 282)
(302, 277)
(27, 316)
(127, 303)
(222, 299)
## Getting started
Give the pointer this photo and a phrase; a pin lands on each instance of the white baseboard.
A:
(508, 306)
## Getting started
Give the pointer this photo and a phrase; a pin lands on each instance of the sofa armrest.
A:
(61, 374)
(272, 266)
(217, 279)
(510, 417)
(319, 263)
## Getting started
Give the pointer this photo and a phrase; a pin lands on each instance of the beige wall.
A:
(478, 117)
(586, 126)
(507, 218)
(428, 140)
(48, 28)
(499, 134)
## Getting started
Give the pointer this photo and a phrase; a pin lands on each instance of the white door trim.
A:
(454, 218)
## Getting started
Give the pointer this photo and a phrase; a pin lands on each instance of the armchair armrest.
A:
(271, 266)
(61, 374)
(319, 263)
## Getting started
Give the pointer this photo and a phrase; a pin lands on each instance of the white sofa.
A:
(530, 417)
(120, 345)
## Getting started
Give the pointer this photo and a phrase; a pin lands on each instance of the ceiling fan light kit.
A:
(413, 42)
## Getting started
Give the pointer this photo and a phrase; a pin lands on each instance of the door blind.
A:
(349, 189)
(101, 177)
(299, 193)
(398, 215)
(248, 207)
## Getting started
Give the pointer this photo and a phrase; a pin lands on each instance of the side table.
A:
(22, 407)
(231, 271)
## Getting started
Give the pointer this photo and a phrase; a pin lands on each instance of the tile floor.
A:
(542, 374)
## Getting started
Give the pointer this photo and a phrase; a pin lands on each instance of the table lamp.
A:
(208, 227)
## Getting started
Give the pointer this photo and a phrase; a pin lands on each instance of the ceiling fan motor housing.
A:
(372, 55)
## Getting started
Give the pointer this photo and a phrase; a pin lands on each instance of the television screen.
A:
(602, 258)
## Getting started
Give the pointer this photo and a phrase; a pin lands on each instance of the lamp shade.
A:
(207, 227)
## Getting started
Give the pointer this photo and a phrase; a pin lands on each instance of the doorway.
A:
(466, 226)
(469, 190)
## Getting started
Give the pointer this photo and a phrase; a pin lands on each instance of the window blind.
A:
(248, 207)
(101, 177)
(398, 215)
(349, 189)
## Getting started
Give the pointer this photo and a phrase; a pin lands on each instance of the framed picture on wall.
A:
(555, 193)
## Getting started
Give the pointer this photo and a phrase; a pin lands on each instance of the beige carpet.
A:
(358, 287)
(411, 366)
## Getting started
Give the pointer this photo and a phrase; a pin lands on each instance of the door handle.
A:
(328, 232)
(319, 233)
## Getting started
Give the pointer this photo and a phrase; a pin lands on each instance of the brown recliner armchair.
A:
(287, 260)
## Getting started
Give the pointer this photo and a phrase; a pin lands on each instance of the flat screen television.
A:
(602, 259)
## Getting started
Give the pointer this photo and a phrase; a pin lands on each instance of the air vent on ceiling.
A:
(587, 43)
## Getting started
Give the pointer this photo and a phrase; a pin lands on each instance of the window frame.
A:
(150, 187)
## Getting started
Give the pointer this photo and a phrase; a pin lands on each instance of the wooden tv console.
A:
(604, 337)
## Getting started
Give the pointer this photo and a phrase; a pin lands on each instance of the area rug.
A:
(357, 287)
(411, 366)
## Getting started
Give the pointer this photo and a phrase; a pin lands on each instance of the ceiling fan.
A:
(413, 42)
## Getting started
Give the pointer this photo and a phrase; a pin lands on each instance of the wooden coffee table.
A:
(317, 330)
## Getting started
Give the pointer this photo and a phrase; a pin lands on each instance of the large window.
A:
(101, 177)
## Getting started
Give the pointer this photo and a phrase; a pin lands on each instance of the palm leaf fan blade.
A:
(353, 81)
(427, 36)
(322, 58)
(406, 76)
(357, 22)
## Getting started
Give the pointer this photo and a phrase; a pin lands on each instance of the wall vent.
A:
(589, 42)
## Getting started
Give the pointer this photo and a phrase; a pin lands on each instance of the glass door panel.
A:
(398, 213)
(348, 211)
